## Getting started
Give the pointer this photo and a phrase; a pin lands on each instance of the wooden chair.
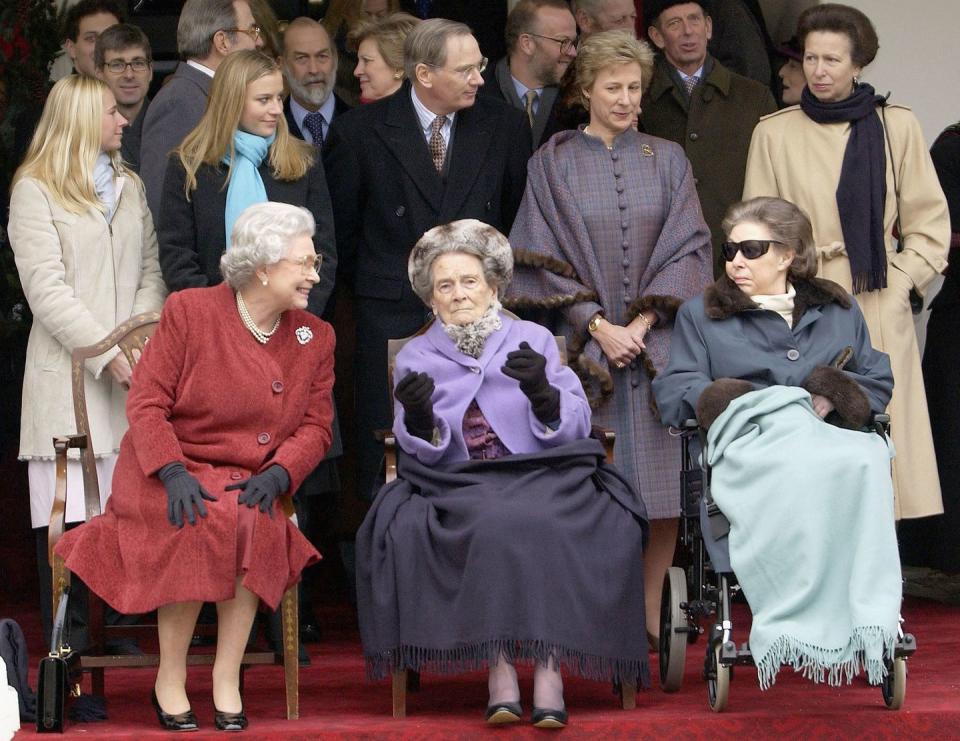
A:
(406, 680)
(132, 336)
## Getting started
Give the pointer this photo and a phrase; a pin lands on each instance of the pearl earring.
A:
(855, 81)
(264, 281)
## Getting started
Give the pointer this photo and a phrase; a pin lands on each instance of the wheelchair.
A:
(697, 597)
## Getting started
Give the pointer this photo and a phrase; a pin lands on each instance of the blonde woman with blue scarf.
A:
(239, 154)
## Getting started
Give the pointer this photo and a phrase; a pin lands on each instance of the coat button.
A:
(623, 225)
(694, 136)
(277, 386)
(793, 354)
(618, 175)
(620, 188)
(401, 210)
(614, 156)
(236, 475)
(263, 438)
(474, 370)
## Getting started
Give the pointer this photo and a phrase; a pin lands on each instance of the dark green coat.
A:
(714, 131)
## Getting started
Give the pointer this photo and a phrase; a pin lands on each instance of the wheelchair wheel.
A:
(718, 685)
(894, 685)
(673, 644)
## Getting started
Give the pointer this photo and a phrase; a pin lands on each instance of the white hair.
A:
(261, 236)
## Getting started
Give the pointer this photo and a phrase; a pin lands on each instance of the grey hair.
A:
(591, 7)
(467, 236)
(261, 236)
(787, 223)
(199, 21)
(427, 43)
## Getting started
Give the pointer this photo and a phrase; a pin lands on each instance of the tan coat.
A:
(795, 158)
(81, 277)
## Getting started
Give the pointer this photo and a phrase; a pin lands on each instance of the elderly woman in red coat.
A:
(230, 409)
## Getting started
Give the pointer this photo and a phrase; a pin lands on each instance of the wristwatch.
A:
(594, 324)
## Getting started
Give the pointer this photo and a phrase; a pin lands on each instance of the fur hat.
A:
(653, 8)
(468, 236)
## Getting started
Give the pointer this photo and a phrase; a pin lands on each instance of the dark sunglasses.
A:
(751, 248)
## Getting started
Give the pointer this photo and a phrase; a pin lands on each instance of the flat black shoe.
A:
(544, 718)
(180, 722)
(504, 712)
(229, 721)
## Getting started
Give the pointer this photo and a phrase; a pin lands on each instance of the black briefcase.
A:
(59, 676)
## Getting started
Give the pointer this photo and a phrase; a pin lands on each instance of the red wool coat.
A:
(208, 394)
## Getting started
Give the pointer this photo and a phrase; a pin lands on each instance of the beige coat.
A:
(81, 277)
(795, 158)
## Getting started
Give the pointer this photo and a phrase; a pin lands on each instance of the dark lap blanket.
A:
(535, 555)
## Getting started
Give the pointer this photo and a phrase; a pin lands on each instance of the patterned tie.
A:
(438, 148)
(690, 83)
(529, 98)
(314, 122)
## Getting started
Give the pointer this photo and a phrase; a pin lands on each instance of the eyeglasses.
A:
(463, 72)
(253, 32)
(566, 44)
(751, 248)
(118, 66)
(307, 263)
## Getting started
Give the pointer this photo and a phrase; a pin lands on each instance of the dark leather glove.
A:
(414, 393)
(529, 367)
(183, 494)
(262, 488)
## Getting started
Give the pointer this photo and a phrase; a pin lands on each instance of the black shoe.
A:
(229, 721)
(504, 712)
(181, 722)
(543, 718)
(310, 632)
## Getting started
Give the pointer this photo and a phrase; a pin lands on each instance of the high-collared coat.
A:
(793, 157)
(82, 276)
(460, 379)
(386, 193)
(209, 395)
(714, 130)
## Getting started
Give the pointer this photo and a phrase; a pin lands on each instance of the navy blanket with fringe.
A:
(537, 555)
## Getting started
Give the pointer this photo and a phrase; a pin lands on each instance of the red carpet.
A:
(337, 701)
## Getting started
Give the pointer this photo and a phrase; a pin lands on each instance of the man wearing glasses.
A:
(541, 42)
(207, 32)
(431, 153)
(124, 62)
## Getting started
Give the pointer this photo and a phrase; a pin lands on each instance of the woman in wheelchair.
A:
(229, 410)
(507, 536)
(762, 359)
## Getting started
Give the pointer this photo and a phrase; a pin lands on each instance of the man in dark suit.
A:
(208, 30)
(310, 69)
(430, 153)
(541, 42)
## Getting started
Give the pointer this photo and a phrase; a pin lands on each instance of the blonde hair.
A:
(609, 49)
(66, 144)
(289, 157)
(389, 34)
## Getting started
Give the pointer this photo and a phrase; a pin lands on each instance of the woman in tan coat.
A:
(858, 167)
(87, 258)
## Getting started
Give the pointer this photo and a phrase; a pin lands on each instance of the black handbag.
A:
(59, 676)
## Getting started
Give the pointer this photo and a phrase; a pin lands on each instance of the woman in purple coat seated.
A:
(506, 535)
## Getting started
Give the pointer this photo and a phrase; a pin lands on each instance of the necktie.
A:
(438, 148)
(529, 98)
(690, 83)
(313, 122)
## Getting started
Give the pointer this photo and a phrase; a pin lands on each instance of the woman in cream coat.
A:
(86, 253)
(797, 158)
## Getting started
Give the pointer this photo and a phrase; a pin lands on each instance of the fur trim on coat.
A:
(723, 299)
(848, 399)
(717, 396)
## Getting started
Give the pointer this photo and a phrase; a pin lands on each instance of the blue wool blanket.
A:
(812, 537)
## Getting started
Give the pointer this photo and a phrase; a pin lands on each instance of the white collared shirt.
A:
(522, 90)
(684, 77)
(426, 117)
(196, 65)
(300, 113)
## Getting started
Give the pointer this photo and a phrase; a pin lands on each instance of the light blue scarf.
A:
(246, 185)
(104, 184)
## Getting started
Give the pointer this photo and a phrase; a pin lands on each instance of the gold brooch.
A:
(646, 150)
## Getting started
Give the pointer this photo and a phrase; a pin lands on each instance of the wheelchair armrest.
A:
(689, 425)
(389, 453)
(881, 424)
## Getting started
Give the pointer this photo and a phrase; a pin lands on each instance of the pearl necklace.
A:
(258, 334)
(586, 130)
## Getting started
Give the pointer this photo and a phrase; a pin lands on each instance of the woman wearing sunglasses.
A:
(239, 154)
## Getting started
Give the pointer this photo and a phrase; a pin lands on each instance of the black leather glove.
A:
(529, 367)
(183, 494)
(414, 393)
(262, 488)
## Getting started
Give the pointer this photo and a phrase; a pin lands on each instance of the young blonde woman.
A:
(239, 154)
(86, 253)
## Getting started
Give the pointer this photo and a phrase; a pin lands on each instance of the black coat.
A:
(191, 233)
(339, 108)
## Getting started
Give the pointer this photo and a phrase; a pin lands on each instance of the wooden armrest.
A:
(390, 455)
(607, 437)
(58, 512)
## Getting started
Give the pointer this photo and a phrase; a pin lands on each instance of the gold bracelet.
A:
(643, 318)
(594, 324)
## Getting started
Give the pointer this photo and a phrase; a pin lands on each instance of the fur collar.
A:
(723, 299)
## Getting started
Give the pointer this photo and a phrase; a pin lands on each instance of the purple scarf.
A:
(862, 189)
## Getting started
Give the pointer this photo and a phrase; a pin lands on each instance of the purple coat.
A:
(460, 379)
